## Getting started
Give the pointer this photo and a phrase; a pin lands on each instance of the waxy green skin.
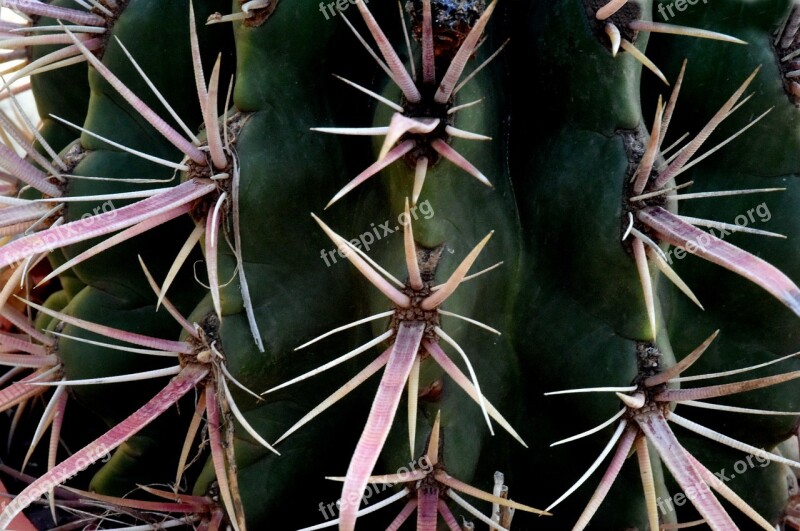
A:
(581, 312)
(296, 297)
(63, 92)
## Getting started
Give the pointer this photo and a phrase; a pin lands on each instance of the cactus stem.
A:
(629, 47)
(594, 430)
(614, 467)
(471, 321)
(481, 400)
(145, 156)
(59, 397)
(728, 226)
(673, 276)
(114, 333)
(734, 409)
(728, 494)
(462, 381)
(340, 393)
(447, 151)
(658, 27)
(610, 9)
(398, 72)
(465, 51)
(393, 155)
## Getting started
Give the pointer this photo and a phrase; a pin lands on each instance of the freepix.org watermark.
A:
(677, 5)
(759, 213)
(377, 232)
(329, 511)
(666, 505)
(334, 7)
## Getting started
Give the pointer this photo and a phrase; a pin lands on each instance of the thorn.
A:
(412, 401)
(401, 125)
(428, 59)
(670, 109)
(614, 36)
(636, 401)
(658, 27)
(475, 72)
(456, 158)
(471, 321)
(448, 288)
(414, 276)
(594, 430)
(420, 172)
(372, 94)
(642, 58)
(646, 282)
(180, 259)
(609, 9)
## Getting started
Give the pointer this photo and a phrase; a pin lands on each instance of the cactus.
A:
(186, 313)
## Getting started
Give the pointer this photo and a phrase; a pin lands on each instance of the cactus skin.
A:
(567, 299)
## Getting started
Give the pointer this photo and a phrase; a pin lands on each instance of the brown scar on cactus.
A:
(617, 23)
(201, 365)
(429, 486)
(414, 333)
(421, 126)
(647, 407)
(648, 222)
